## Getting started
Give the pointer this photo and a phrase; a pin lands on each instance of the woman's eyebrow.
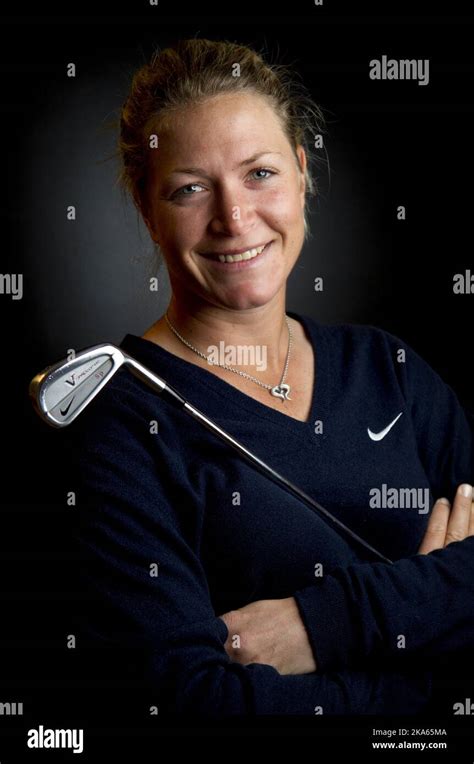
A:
(200, 171)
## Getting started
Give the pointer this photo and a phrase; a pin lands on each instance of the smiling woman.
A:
(235, 230)
(260, 607)
(218, 166)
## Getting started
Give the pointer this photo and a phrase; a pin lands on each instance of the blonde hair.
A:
(193, 70)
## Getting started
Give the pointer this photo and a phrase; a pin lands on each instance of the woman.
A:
(242, 600)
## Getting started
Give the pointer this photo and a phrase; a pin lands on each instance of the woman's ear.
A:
(143, 212)
(141, 205)
(301, 154)
(150, 228)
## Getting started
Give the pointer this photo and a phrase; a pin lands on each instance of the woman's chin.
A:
(246, 299)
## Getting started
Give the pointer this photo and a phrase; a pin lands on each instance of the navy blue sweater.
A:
(175, 528)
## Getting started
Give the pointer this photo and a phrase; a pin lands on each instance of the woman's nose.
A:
(232, 215)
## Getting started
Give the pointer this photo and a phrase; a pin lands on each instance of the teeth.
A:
(248, 255)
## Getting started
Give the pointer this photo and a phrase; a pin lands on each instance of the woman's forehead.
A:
(230, 111)
(235, 134)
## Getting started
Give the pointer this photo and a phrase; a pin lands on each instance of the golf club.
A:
(60, 392)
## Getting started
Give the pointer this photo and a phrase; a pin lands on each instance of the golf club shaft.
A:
(158, 385)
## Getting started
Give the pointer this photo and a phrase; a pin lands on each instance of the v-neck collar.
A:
(153, 353)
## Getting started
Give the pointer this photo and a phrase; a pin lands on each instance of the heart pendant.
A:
(281, 391)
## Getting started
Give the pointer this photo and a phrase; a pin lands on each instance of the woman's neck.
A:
(262, 329)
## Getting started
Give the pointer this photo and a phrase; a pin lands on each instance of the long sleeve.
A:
(443, 428)
(422, 605)
(147, 589)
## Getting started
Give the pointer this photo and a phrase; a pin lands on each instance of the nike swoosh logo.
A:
(64, 412)
(380, 435)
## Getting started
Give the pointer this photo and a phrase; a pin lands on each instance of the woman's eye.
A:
(264, 169)
(182, 191)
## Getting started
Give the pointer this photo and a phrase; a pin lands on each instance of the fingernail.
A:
(466, 490)
(443, 501)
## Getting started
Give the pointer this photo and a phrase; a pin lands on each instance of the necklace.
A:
(279, 391)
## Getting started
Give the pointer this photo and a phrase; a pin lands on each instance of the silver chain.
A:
(284, 396)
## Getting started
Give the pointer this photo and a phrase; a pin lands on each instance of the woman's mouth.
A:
(248, 259)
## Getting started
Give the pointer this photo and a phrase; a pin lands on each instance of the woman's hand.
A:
(447, 525)
(271, 632)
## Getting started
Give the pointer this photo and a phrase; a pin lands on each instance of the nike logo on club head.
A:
(64, 412)
(380, 435)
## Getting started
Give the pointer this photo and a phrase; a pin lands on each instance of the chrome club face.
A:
(60, 392)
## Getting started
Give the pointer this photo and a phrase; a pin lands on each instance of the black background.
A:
(389, 143)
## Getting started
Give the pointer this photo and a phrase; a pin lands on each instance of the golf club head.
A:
(60, 392)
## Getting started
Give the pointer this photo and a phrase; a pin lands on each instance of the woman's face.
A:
(224, 177)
